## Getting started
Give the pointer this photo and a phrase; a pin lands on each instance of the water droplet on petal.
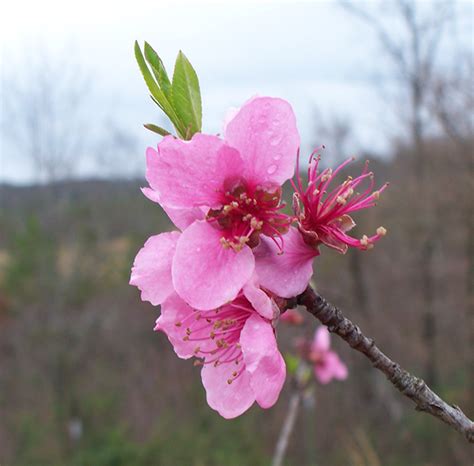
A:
(277, 156)
(272, 169)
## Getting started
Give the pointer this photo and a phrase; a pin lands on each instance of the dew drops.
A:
(277, 156)
(272, 169)
(275, 141)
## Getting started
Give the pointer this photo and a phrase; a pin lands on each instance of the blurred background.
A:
(83, 378)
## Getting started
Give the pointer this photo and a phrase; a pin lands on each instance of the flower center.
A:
(217, 335)
(247, 212)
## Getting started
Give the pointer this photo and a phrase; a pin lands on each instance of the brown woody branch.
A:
(412, 387)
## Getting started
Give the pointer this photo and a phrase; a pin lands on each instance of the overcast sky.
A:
(313, 54)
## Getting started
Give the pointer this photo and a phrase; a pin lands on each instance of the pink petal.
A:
(182, 218)
(339, 369)
(332, 368)
(322, 340)
(174, 311)
(323, 374)
(260, 300)
(286, 274)
(205, 274)
(151, 271)
(229, 400)
(233, 111)
(192, 173)
(262, 360)
(265, 134)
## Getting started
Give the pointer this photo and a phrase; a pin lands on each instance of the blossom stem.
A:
(425, 399)
(288, 426)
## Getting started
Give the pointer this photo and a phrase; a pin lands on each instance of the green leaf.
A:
(158, 70)
(186, 95)
(292, 363)
(157, 103)
(157, 94)
(156, 129)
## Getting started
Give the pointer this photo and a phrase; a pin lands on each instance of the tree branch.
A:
(287, 429)
(409, 385)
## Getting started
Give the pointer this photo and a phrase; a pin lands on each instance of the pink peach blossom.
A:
(326, 363)
(236, 346)
(323, 214)
(232, 187)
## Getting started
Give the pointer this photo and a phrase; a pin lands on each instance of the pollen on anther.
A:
(327, 175)
(225, 243)
(381, 231)
(256, 224)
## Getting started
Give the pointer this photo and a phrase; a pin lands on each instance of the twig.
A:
(409, 385)
(287, 428)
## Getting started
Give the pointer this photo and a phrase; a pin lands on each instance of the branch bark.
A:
(412, 387)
